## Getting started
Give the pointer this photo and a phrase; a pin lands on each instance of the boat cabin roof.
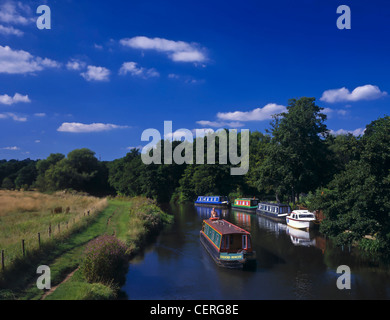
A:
(225, 227)
(274, 204)
(302, 212)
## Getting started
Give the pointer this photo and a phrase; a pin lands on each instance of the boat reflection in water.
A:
(205, 212)
(300, 237)
(297, 237)
(242, 219)
(271, 225)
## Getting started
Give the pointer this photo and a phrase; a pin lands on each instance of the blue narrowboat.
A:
(274, 211)
(212, 201)
(229, 245)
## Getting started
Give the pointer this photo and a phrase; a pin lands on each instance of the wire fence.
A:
(51, 231)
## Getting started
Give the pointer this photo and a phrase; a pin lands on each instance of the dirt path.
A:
(72, 273)
(63, 281)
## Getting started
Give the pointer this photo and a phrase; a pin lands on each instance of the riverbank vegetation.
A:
(298, 160)
(124, 223)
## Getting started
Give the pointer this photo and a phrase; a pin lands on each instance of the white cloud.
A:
(356, 132)
(40, 115)
(330, 112)
(14, 13)
(366, 92)
(20, 61)
(11, 148)
(135, 70)
(75, 127)
(178, 51)
(10, 31)
(96, 74)
(131, 148)
(75, 64)
(180, 135)
(219, 124)
(13, 116)
(6, 99)
(258, 114)
(186, 79)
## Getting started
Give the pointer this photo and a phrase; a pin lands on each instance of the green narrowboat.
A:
(245, 204)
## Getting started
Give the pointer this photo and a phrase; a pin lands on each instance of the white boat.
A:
(301, 219)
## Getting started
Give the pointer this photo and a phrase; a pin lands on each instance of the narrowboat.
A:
(301, 219)
(275, 211)
(245, 204)
(212, 201)
(228, 245)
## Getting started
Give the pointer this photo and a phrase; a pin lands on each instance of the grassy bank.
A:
(132, 220)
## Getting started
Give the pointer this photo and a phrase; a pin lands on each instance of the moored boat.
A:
(212, 201)
(301, 219)
(275, 211)
(229, 245)
(245, 204)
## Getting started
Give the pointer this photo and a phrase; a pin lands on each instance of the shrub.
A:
(105, 260)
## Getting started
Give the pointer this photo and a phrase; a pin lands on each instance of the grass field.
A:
(25, 214)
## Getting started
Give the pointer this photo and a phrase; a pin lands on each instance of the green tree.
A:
(8, 184)
(297, 152)
(26, 176)
(357, 203)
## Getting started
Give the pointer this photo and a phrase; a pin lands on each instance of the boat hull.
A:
(249, 209)
(248, 260)
(299, 224)
(212, 204)
(273, 216)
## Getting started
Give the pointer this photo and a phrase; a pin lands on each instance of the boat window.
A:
(306, 216)
(244, 242)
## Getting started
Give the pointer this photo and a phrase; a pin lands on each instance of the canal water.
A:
(291, 264)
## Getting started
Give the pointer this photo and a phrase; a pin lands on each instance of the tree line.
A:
(296, 160)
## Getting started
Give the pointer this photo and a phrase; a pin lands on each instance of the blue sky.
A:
(108, 70)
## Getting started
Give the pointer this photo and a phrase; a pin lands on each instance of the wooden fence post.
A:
(49, 230)
(24, 252)
(2, 260)
(39, 240)
(59, 229)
